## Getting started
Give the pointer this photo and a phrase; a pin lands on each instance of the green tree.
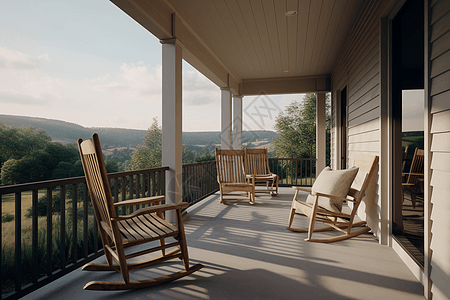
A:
(149, 153)
(59, 152)
(111, 166)
(16, 143)
(188, 156)
(206, 155)
(296, 128)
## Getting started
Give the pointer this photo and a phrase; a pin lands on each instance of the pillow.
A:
(332, 182)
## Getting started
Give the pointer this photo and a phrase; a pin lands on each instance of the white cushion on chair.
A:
(332, 182)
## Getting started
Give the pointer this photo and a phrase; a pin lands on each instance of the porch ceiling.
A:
(238, 43)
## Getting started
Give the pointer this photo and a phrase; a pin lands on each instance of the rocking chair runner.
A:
(118, 232)
(332, 214)
(257, 163)
(232, 178)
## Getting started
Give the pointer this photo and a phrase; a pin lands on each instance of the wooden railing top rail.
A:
(199, 163)
(17, 188)
(282, 158)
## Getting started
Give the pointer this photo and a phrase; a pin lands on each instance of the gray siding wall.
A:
(439, 31)
(358, 68)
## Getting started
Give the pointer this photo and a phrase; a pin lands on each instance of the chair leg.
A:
(312, 220)
(162, 242)
(221, 195)
(182, 240)
(413, 198)
(276, 185)
(291, 217)
(123, 264)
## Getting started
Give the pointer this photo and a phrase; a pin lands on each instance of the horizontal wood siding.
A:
(358, 68)
(440, 147)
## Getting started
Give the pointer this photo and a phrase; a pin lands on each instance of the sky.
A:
(87, 62)
(412, 110)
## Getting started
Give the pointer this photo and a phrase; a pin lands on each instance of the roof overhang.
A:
(295, 57)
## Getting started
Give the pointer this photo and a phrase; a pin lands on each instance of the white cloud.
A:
(128, 98)
(7, 97)
(16, 61)
(44, 56)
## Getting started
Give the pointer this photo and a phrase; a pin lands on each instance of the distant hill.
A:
(412, 139)
(66, 132)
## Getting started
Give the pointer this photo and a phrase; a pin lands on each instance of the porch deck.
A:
(249, 254)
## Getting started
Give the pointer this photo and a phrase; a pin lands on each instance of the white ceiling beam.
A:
(285, 85)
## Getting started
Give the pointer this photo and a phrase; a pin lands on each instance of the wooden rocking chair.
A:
(257, 163)
(414, 178)
(142, 226)
(232, 178)
(366, 166)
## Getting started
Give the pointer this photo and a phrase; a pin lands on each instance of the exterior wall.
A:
(358, 68)
(439, 32)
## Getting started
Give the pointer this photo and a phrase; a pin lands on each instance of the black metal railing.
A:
(54, 229)
(199, 181)
(294, 171)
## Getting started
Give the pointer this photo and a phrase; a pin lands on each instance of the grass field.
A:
(8, 202)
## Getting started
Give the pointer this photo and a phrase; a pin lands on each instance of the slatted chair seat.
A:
(326, 207)
(144, 225)
(144, 228)
(257, 164)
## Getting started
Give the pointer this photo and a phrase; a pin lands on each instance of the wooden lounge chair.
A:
(142, 226)
(232, 178)
(327, 208)
(257, 163)
(414, 178)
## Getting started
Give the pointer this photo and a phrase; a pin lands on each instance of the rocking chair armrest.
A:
(332, 197)
(151, 209)
(322, 194)
(414, 174)
(251, 177)
(302, 189)
(140, 201)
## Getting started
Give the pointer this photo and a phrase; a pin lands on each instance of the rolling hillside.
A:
(66, 132)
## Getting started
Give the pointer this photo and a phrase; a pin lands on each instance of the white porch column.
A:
(237, 121)
(171, 121)
(226, 127)
(320, 132)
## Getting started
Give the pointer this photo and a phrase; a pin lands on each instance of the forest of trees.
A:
(28, 154)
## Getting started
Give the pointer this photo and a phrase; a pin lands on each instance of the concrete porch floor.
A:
(249, 254)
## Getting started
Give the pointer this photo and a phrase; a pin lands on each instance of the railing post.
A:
(49, 231)
(74, 223)
(34, 235)
(62, 209)
(18, 242)
(85, 221)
